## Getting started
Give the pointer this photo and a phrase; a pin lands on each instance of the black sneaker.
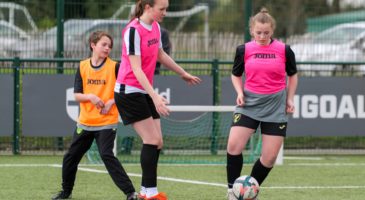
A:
(132, 196)
(62, 195)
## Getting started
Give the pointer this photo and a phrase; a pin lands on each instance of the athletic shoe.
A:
(159, 196)
(141, 197)
(132, 196)
(62, 195)
(230, 195)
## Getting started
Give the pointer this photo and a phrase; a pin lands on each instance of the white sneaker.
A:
(230, 195)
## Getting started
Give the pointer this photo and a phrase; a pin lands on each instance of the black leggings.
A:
(81, 142)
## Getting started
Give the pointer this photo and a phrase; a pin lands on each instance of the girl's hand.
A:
(161, 105)
(105, 110)
(240, 100)
(96, 101)
(290, 106)
(190, 79)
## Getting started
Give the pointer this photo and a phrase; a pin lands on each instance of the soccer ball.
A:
(245, 188)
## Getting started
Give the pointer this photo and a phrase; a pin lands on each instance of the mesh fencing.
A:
(199, 140)
(200, 29)
(30, 32)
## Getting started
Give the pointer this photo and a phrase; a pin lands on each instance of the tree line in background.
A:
(224, 15)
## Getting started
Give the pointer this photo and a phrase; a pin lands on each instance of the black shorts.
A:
(267, 128)
(135, 107)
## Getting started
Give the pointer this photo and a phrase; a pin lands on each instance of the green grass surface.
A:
(302, 178)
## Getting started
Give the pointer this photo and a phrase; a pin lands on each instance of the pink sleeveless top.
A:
(150, 41)
(265, 67)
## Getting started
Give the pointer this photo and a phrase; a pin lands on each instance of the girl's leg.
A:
(271, 145)
(238, 138)
(81, 142)
(150, 132)
(105, 141)
(157, 123)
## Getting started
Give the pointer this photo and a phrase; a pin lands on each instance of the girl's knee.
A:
(234, 149)
(268, 161)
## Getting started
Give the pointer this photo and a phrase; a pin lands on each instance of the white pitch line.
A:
(29, 165)
(159, 178)
(225, 185)
(185, 165)
(206, 183)
(301, 158)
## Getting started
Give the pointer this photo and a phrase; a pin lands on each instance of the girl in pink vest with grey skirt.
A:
(264, 99)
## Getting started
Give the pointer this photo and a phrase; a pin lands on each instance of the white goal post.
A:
(201, 108)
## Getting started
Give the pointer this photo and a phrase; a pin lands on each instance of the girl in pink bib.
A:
(264, 98)
(136, 100)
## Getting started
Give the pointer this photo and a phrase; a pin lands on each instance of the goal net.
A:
(191, 134)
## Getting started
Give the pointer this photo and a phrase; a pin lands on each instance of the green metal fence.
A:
(17, 143)
(47, 41)
(18, 67)
(199, 29)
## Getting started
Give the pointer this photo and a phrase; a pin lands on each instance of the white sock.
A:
(150, 192)
(143, 191)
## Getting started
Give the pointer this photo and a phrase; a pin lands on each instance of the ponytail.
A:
(140, 5)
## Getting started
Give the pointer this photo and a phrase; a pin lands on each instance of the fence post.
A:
(16, 134)
(248, 13)
(60, 51)
(60, 34)
(215, 74)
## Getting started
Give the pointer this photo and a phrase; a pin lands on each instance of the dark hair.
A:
(263, 17)
(96, 36)
(140, 4)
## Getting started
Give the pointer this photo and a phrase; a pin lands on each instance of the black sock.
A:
(149, 155)
(259, 171)
(234, 167)
(158, 156)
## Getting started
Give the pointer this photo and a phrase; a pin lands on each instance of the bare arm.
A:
(238, 86)
(167, 61)
(292, 87)
(80, 97)
(159, 101)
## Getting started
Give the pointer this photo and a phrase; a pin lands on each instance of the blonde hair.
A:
(263, 17)
(96, 36)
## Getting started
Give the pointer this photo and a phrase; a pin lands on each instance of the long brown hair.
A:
(140, 4)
